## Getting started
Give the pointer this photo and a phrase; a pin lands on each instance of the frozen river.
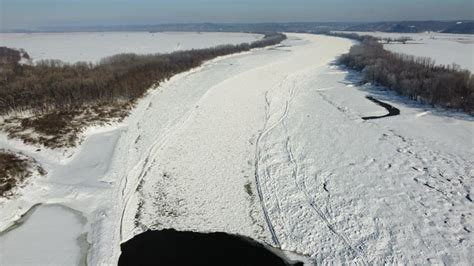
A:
(92, 46)
(44, 236)
(270, 144)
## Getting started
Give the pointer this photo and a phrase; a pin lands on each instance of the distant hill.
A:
(462, 27)
(465, 27)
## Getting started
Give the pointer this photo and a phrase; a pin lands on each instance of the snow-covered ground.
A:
(444, 48)
(271, 144)
(395, 190)
(92, 46)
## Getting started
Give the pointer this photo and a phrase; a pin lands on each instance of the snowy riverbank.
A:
(271, 144)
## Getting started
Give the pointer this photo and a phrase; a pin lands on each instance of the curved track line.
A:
(265, 131)
(303, 188)
(160, 142)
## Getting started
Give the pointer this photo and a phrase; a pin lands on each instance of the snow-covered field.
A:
(271, 144)
(444, 48)
(92, 46)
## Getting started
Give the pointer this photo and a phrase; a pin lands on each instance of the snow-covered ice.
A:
(49, 235)
(76, 183)
(394, 190)
(270, 144)
(334, 187)
(93, 46)
(444, 48)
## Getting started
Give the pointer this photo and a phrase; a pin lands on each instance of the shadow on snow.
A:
(171, 247)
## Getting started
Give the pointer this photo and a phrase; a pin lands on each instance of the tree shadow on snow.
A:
(384, 94)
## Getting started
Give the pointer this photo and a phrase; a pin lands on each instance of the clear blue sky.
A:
(31, 13)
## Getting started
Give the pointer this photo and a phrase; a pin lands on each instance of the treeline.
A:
(352, 36)
(10, 57)
(52, 85)
(416, 77)
(10, 61)
(402, 39)
(358, 37)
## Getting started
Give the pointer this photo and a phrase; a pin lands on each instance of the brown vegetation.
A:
(56, 93)
(14, 169)
(416, 77)
(58, 129)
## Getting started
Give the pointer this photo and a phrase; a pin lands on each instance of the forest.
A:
(418, 78)
(51, 102)
(51, 85)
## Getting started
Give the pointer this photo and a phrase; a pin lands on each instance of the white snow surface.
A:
(270, 144)
(444, 48)
(32, 242)
(93, 46)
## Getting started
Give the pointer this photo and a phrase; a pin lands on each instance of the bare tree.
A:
(416, 77)
(52, 85)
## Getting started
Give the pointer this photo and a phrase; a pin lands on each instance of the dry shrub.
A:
(14, 170)
(61, 129)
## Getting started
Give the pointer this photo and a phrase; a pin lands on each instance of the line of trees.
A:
(359, 37)
(403, 39)
(419, 78)
(52, 85)
(352, 36)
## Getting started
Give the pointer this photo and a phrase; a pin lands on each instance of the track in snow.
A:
(329, 186)
(277, 144)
